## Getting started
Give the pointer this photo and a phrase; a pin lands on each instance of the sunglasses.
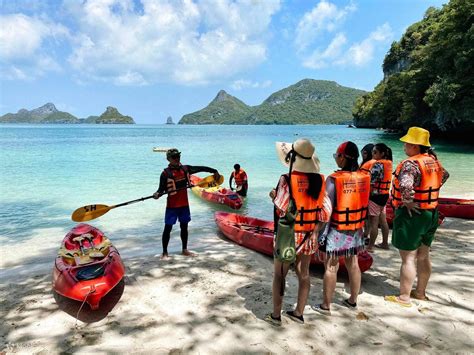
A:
(336, 155)
(175, 156)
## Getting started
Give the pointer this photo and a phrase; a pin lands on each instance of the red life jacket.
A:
(367, 166)
(307, 206)
(177, 178)
(431, 177)
(352, 200)
(239, 177)
(382, 185)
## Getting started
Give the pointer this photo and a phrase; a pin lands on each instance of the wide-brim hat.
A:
(417, 135)
(306, 160)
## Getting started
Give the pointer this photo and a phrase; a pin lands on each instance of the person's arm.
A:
(376, 173)
(230, 181)
(328, 205)
(199, 169)
(281, 196)
(445, 176)
(162, 188)
(409, 177)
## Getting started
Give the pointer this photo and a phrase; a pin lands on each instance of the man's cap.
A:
(173, 152)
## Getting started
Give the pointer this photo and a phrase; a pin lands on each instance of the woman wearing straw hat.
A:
(304, 187)
(416, 184)
(348, 190)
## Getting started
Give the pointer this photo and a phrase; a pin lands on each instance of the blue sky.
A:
(153, 59)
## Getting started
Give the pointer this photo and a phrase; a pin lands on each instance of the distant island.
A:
(169, 120)
(48, 113)
(306, 102)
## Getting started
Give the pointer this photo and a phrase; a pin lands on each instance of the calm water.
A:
(47, 171)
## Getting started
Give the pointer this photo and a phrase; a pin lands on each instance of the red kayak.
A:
(216, 194)
(257, 234)
(87, 267)
(456, 207)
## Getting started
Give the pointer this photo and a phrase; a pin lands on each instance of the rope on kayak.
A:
(91, 291)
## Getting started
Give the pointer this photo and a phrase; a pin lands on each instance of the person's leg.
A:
(302, 272)
(407, 273)
(184, 238)
(423, 263)
(279, 273)
(374, 231)
(353, 270)
(385, 230)
(331, 266)
(165, 239)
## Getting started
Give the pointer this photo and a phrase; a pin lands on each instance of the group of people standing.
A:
(335, 211)
(335, 214)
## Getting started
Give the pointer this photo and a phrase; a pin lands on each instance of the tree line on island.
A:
(48, 113)
(428, 76)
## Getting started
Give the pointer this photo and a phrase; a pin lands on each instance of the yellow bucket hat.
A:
(417, 135)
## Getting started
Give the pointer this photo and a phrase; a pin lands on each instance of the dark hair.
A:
(383, 148)
(430, 150)
(236, 166)
(351, 153)
(315, 184)
(368, 149)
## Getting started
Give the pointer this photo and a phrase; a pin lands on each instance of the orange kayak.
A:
(257, 234)
(87, 267)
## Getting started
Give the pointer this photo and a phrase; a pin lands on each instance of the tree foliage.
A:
(428, 75)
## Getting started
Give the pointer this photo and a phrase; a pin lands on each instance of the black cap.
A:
(173, 152)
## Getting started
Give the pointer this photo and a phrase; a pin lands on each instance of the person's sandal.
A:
(349, 305)
(319, 308)
(397, 300)
(293, 316)
(414, 295)
(273, 321)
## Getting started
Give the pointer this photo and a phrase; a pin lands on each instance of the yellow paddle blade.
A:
(89, 212)
(209, 181)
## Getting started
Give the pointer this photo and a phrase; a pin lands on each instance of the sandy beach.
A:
(215, 303)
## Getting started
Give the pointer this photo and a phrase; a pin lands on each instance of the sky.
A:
(154, 58)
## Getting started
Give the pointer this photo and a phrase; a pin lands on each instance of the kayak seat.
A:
(90, 272)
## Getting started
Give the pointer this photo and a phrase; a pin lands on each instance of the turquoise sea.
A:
(47, 171)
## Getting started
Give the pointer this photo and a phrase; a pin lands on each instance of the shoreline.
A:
(216, 302)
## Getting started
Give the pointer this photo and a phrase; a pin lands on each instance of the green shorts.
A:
(410, 232)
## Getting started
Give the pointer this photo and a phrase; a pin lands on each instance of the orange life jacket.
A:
(307, 206)
(382, 185)
(352, 200)
(177, 179)
(426, 195)
(367, 166)
(240, 177)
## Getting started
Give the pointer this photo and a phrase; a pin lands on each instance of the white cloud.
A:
(243, 84)
(183, 42)
(324, 17)
(320, 58)
(362, 53)
(22, 46)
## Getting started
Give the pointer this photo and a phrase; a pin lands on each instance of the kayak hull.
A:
(217, 194)
(89, 272)
(456, 207)
(257, 234)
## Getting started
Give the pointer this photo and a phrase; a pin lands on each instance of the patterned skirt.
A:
(345, 243)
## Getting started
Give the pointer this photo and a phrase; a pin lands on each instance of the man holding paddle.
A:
(174, 181)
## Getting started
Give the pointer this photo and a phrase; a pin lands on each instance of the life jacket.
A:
(426, 195)
(352, 200)
(239, 177)
(382, 185)
(177, 179)
(367, 166)
(307, 206)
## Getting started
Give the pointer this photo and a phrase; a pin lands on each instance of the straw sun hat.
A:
(305, 159)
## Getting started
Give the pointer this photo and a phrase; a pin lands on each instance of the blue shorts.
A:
(181, 213)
